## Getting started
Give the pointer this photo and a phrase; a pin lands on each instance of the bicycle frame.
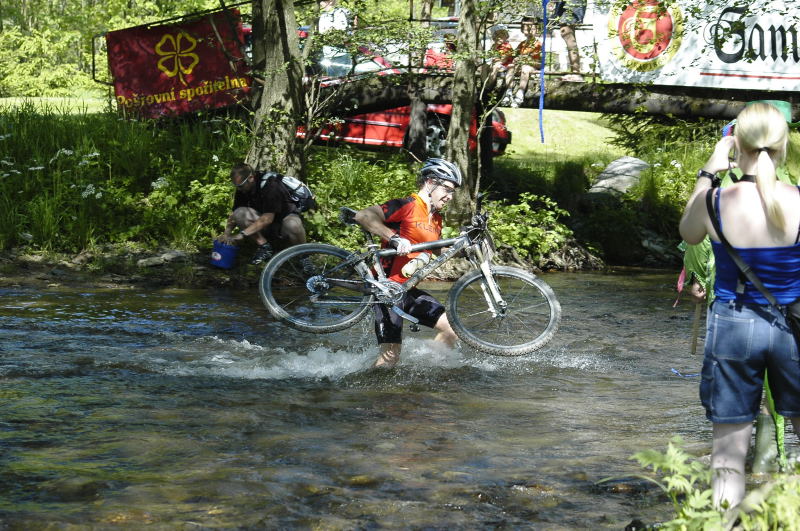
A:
(345, 285)
(476, 254)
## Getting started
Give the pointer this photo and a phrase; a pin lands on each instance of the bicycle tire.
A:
(530, 321)
(286, 292)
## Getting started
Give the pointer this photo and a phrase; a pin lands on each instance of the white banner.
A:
(725, 44)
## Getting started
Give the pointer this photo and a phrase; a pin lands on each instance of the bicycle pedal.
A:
(414, 327)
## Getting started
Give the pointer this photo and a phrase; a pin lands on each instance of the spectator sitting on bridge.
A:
(441, 57)
(502, 58)
(528, 59)
(568, 14)
(262, 209)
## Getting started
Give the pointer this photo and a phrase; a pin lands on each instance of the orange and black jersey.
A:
(411, 219)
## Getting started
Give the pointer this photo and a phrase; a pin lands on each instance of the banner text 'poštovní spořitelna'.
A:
(178, 68)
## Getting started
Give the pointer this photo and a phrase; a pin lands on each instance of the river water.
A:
(187, 408)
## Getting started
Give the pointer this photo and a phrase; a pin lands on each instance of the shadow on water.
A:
(178, 408)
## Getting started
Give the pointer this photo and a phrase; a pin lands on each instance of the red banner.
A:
(178, 68)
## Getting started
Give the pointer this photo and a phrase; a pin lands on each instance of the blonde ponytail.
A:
(761, 127)
(766, 181)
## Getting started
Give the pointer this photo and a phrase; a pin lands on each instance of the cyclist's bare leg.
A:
(388, 355)
(445, 332)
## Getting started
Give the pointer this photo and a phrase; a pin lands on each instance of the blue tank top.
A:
(778, 268)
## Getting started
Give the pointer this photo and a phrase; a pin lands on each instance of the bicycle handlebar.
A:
(436, 244)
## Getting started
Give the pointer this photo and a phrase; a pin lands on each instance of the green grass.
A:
(567, 135)
(576, 149)
(90, 103)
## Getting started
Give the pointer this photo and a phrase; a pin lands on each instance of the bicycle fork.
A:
(497, 306)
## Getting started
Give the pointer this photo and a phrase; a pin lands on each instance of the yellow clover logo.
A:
(176, 49)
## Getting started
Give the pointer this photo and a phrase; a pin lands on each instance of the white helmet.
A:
(441, 170)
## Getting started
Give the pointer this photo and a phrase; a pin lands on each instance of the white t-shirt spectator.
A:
(336, 19)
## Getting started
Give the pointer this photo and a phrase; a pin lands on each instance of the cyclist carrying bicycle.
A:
(401, 223)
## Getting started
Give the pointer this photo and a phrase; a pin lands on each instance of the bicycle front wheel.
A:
(312, 288)
(528, 321)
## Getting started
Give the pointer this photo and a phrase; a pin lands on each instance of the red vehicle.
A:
(389, 129)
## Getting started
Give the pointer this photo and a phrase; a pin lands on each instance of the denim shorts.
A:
(742, 340)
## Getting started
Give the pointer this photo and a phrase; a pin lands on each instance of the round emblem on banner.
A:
(646, 34)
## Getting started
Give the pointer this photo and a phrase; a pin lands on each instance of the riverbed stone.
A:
(75, 489)
(163, 258)
(363, 480)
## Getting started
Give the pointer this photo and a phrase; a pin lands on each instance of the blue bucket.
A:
(223, 255)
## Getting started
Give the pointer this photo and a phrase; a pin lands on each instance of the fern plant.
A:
(772, 505)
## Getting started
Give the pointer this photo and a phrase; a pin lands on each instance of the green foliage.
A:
(46, 47)
(612, 226)
(97, 177)
(341, 178)
(533, 226)
(30, 64)
(682, 474)
(643, 134)
(774, 505)
(675, 149)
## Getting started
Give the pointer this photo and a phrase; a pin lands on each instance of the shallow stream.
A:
(186, 408)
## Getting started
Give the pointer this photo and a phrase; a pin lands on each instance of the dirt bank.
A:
(131, 265)
(121, 265)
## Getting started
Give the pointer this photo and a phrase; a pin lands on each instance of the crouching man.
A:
(264, 212)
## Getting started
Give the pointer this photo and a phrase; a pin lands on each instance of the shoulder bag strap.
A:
(741, 264)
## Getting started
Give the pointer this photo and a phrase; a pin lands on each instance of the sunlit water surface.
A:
(195, 408)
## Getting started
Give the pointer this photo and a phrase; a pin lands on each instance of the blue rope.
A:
(682, 375)
(541, 69)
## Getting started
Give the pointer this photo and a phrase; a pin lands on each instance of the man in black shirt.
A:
(263, 211)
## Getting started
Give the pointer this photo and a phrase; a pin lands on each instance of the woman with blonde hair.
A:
(760, 217)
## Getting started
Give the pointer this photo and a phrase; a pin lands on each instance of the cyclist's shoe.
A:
(263, 253)
(308, 267)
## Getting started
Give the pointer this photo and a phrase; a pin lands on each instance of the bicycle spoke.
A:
(528, 321)
(295, 288)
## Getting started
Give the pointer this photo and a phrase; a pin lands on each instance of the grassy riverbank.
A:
(75, 178)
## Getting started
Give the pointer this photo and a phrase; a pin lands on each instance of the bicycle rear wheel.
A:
(529, 321)
(310, 287)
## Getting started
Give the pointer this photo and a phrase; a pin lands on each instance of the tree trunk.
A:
(464, 96)
(279, 103)
(418, 126)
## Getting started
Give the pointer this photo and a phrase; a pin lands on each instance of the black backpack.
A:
(298, 191)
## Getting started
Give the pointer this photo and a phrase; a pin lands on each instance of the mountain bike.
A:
(321, 288)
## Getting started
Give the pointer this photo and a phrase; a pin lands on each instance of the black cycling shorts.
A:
(420, 304)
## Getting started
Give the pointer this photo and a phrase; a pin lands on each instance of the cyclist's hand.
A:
(402, 245)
